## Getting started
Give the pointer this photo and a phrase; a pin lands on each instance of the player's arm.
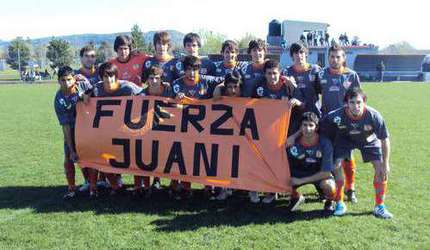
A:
(321, 175)
(67, 133)
(212, 81)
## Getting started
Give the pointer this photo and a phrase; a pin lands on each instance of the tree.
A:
(18, 46)
(60, 53)
(104, 52)
(244, 41)
(211, 42)
(399, 48)
(139, 40)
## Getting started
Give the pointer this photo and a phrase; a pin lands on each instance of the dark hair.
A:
(233, 77)
(231, 45)
(65, 71)
(354, 92)
(122, 40)
(192, 37)
(309, 117)
(161, 37)
(270, 64)
(257, 44)
(86, 48)
(155, 69)
(191, 62)
(296, 48)
(109, 69)
(335, 48)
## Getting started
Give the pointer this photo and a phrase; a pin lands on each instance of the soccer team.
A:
(329, 117)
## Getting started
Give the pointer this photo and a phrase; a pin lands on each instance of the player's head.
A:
(233, 84)
(298, 53)
(88, 56)
(162, 42)
(355, 101)
(229, 51)
(123, 47)
(272, 72)
(66, 77)
(336, 56)
(191, 67)
(192, 44)
(309, 124)
(257, 49)
(108, 72)
(153, 75)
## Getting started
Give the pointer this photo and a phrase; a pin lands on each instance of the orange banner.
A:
(233, 142)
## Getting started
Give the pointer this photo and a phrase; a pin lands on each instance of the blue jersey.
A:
(202, 90)
(251, 76)
(92, 76)
(65, 105)
(307, 86)
(207, 67)
(307, 160)
(343, 128)
(334, 86)
(222, 70)
(263, 91)
(168, 68)
(167, 91)
(126, 89)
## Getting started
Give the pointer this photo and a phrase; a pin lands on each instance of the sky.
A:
(379, 22)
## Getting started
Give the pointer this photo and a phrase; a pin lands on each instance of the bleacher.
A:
(397, 67)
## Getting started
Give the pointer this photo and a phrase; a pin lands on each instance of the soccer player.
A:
(253, 73)
(335, 80)
(192, 85)
(274, 87)
(192, 43)
(128, 61)
(162, 45)
(73, 88)
(358, 126)
(311, 162)
(88, 64)
(111, 85)
(229, 51)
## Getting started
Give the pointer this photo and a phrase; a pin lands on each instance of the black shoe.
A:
(350, 196)
(328, 207)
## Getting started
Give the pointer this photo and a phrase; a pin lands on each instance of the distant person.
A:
(380, 68)
(327, 38)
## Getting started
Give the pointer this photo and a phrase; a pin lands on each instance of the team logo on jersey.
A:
(64, 104)
(260, 91)
(318, 154)
(294, 151)
(244, 70)
(367, 127)
(179, 66)
(273, 96)
(176, 88)
(310, 160)
(337, 120)
(148, 64)
(347, 84)
(136, 66)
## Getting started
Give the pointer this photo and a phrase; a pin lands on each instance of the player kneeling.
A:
(311, 162)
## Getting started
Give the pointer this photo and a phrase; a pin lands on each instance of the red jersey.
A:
(132, 69)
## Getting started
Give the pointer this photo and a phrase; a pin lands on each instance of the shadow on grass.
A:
(178, 215)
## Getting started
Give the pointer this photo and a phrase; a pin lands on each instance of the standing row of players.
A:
(320, 152)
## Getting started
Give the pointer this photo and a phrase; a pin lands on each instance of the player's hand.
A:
(180, 96)
(290, 81)
(295, 102)
(290, 141)
(86, 99)
(295, 181)
(73, 156)
(385, 170)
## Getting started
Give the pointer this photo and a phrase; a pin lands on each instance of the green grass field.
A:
(33, 214)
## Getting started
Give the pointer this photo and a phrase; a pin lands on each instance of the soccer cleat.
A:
(156, 184)
(269, 198)
(103, 184)
(340, 209)
(328, 206)
(253, 197)
(85, 187)
(350, 196)
(295, 203)
(69, 195)
(224, 194)
(380, 211)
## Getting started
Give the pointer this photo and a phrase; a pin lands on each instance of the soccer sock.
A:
(380, 190)
(147, 182)
(69, 169)
(93, 174)
(137, 182)
(113, 180)
(349, 170)
(339, 190)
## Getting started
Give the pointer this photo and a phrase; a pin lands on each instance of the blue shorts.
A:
(369, 152)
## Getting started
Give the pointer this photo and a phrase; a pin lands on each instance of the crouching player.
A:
(72, 89)
(311, 162)
(358, 126)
